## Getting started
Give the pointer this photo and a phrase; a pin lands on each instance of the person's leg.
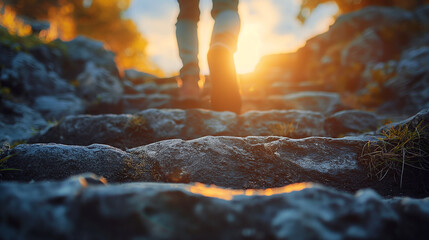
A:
(187, 41)
(225, 90)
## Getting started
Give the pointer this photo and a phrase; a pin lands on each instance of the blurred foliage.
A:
(98, 19)
(345, 6)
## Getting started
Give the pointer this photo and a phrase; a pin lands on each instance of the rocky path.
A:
(98, 155)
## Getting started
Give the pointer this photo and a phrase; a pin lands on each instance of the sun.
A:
(248, 48)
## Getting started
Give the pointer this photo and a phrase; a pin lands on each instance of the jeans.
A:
(225, 31)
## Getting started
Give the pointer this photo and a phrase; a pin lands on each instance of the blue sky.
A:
(268, 26)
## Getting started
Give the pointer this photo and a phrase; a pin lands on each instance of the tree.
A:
(98, 19)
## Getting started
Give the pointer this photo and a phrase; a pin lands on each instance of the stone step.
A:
(152, 125)
(250, 162)
(83, 208)
(323, 102)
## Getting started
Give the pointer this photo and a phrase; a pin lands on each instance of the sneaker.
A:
(189, 89)
(225, 94)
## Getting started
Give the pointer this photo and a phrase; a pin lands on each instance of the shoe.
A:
(189, 93)
(189, 89)
(225, 94)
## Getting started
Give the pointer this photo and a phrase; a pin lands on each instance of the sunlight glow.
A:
(229, 194)
(249, 48)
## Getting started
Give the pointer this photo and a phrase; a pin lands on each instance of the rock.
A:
(54, 162)
(350, 121)
(292, 123)
(138, 102)
(170, 89)
(58, 107)
(97, 85)
(115, 130)
(82, 50)
(422, 14)
(421, 118)
(51, 57)
(137, 77)
(151, 125)
(77, 209)
(408, 91)
(256, 162)
(357, 51)
(127, 131)
(347, 26)
(18, 122)
(323, 102)
(129, 87)
(34, 80)
(201, 123)
(252, 162)
(147, 88)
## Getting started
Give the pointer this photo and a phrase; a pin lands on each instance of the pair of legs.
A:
(225, 92)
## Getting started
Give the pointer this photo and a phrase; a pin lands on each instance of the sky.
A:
(267, 27)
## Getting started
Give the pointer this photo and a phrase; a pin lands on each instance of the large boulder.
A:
(252, 162)
(83, 208)
(18, 122)
(256, 162)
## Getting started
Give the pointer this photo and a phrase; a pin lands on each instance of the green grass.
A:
(400, 148)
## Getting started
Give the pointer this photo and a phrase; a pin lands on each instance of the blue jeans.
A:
(225, 31)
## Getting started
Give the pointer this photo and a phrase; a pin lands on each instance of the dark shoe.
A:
(225, 94)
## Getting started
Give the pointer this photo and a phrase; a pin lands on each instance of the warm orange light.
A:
(229, 194)
(61, 24)
(248, 48)
(14, 25)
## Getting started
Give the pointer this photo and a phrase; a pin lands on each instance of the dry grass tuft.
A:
(400, 148)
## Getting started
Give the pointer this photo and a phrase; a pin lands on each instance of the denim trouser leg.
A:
(225, 30)
(187, 36)
(227, 24)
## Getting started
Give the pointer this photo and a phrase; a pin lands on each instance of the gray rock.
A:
(97, 85)
(324, 102)
(256, 162)
(357, 50)
(77, 209)
(347, 26)
(137, 76)
(18, 122)
(35, 80)
(408, 91)
(58, 107)
(138, 102)
(82, 50)
(151, 125)
(147, 88)
(421, 118)
(422, 14)
(54, 162)
(288, 123)
(350, 121)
